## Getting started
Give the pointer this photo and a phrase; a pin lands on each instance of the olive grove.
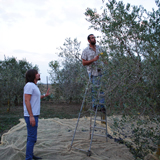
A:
(12, 80)
(69, 80)
(131, 38)
(131, 47)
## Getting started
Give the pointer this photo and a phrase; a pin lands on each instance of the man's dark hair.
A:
(30, 75)
(89, 36)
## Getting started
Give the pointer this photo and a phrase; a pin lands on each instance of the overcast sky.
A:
(34, 29)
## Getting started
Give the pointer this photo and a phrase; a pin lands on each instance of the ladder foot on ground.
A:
(89, 153)
(92, 128)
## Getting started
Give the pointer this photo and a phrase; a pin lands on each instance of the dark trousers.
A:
(96, 81)
(31, 137)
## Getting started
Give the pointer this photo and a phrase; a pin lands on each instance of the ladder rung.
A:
(80, 149)
(96, 86)
(98, 127)
(99, 135)
(101, 103)
(98, 93)
(95, 110)
(96, 104)
(99, 120)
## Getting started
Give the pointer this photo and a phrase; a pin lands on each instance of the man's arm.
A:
(84, 62)
(29, 109)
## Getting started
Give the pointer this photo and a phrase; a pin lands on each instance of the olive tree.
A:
(69, 76)
(131, 40)
(12, 80)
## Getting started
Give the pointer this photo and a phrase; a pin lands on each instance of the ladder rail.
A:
(92, 128)
(106, 126)
(80, 113)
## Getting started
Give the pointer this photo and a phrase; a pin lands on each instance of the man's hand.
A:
(84, 62)
(96, 58)
(47, 93)
(32, 121)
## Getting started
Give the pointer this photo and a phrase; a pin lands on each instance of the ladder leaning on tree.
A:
(95, 111)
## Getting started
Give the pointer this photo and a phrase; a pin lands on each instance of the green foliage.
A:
(131, 45)
(131, 39)
(68, 80)
(12, 80)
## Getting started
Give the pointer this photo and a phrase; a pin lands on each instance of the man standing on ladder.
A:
(90, 56)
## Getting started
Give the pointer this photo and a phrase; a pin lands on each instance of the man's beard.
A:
(39, 79)
(93, 43)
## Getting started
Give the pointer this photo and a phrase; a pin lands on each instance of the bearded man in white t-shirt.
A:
(31, 106)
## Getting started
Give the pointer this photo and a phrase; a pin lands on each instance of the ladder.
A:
(92, 119)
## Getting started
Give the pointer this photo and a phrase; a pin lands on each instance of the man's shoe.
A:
(103, 110)
(35, 157)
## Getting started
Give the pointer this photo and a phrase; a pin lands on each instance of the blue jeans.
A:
(31, 137)
(96, 82)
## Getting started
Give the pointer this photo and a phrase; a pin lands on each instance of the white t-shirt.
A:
(33, 90)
